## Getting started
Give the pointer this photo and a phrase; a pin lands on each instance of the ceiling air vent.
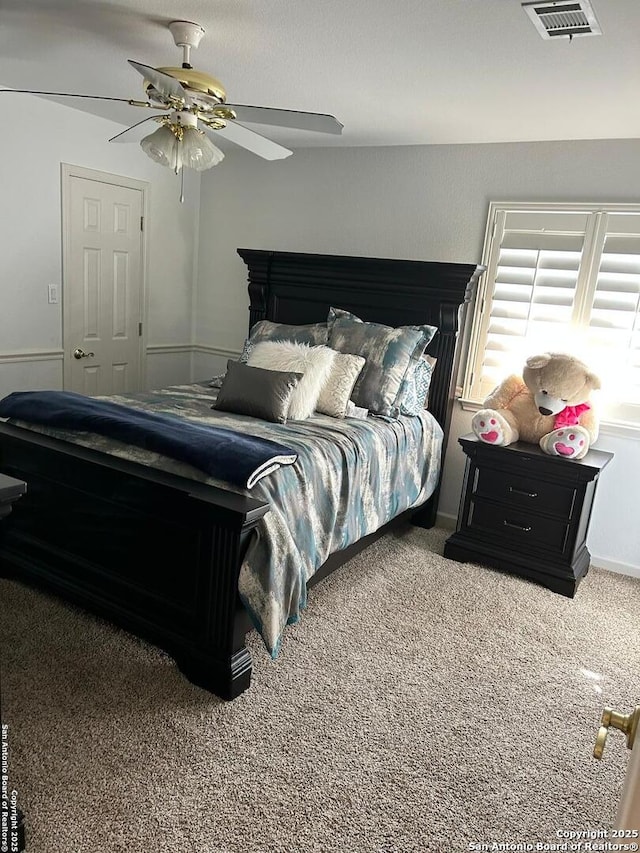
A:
(568, 18)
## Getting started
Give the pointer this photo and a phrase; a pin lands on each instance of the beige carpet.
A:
(420, 705)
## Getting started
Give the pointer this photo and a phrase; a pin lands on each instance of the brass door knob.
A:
(627, 723)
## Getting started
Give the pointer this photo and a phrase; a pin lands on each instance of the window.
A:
(560, 278)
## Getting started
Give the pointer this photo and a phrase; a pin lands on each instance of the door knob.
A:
(80, 353)
(627, 723)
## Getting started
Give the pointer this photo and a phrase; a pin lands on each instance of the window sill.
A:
(469, 405)
(618, 429)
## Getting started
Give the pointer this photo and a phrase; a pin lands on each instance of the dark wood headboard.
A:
(291, 287)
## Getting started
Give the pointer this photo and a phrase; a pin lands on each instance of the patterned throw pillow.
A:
(336, 392)
(389, 354)
(314, 334)
(415, 387)
(246, 351)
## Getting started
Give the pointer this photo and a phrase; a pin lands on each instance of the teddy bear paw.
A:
(489, 427)
(569, 442)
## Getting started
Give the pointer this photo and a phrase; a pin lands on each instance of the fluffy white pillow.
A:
(336, 392)
(314, 362)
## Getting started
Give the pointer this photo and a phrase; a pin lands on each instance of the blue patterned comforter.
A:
(350, 478)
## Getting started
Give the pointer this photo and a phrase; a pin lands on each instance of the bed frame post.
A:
(220, 661)
(258, 278)
(442, 395)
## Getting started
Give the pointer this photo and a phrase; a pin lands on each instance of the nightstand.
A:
(527, 513)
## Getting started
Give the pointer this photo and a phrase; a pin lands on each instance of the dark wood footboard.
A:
(154, 553)
(157, 554)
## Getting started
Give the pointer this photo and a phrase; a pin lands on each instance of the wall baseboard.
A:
(615, 566)
(447, 521)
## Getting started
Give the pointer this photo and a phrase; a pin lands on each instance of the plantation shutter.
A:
(532, 279)
(614, 315)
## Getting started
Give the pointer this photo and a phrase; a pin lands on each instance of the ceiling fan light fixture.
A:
(176, 146)
(188, 97)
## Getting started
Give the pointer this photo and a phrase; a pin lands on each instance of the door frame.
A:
(67, 172)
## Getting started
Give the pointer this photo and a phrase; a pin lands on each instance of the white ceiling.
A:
(394, 73)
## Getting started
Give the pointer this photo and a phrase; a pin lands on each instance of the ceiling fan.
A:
(194, 109)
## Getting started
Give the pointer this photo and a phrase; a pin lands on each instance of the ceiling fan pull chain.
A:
(182, 185)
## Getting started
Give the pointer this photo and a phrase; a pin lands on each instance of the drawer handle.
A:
(517, 526)
(522, 492)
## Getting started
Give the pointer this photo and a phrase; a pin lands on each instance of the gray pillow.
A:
(257, 392)
(389, 352)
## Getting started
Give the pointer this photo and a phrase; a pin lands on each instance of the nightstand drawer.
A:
(525, 492)
(517, 526)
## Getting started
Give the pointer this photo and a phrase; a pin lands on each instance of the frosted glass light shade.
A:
(162, 147)
(197, 151)
(194, 150)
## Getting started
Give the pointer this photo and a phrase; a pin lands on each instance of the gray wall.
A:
(45, 135)
(422, 202)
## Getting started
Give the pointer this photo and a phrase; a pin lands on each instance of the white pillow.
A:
(314, 362)
(336, 392)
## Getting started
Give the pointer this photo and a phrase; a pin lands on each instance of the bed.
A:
(161, 554)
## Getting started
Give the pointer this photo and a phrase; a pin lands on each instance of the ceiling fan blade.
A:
(138, 131)
(165, 85)
(319, 122)
(130, 101)
(252, 141)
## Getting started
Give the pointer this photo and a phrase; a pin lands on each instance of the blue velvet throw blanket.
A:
(234, 457)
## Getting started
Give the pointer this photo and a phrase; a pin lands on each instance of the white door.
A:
(103, 282)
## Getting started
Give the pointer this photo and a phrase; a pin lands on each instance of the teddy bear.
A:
(548, 405)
